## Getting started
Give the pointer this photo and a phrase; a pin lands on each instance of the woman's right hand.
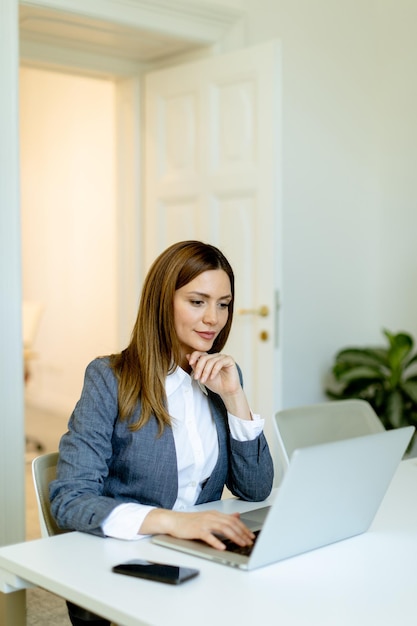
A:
(207, 526)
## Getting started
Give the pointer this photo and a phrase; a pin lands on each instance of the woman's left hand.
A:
(218, 372)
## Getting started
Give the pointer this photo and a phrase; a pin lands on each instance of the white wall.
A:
(69, 234)
(349, 193)
(396, 107)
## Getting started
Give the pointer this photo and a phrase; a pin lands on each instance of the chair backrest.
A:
(321, 423)
(43, 472)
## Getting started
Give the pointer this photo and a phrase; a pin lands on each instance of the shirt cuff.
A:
(125, 520)
(245, 430)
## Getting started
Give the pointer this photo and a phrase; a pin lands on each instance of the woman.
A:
(165, 423)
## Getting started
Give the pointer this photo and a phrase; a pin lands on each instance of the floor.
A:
(47, 429)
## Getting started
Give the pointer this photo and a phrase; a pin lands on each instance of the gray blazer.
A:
(103, 464)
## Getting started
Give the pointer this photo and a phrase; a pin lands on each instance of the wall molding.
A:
(201, 21)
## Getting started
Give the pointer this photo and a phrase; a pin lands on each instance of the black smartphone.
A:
(171, 574)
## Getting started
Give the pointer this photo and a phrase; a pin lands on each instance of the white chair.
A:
(43, 472)
(304, 426)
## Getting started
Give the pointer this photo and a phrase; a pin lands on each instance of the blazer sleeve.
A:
(251, 471)
(77, 500)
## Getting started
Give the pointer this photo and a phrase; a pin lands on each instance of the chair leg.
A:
(13, 608)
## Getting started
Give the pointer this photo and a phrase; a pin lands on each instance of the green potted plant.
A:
(386, 377)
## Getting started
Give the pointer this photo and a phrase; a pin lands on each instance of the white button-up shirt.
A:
(196, 445)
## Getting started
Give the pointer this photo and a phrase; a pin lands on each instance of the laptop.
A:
(329, 492)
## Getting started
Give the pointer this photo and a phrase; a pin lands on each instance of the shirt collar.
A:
(179, 377)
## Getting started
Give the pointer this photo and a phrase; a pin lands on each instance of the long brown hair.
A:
(154, 349)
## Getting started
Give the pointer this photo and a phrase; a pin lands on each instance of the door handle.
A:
(262, 311)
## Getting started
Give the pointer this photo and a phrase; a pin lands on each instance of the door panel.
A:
(213, 173)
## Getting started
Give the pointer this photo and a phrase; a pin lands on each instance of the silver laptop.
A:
(330, 492)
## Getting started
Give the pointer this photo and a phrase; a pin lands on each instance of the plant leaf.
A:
(410, 389)
(400, 338)
(401, 345)
(394, 409)
(360, 373)
(362, 388)
(385, 377)
(363, 356)
(411, 361)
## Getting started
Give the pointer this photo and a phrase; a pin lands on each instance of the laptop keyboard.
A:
(231, 546)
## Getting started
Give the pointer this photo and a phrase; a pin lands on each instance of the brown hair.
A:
(154, 349)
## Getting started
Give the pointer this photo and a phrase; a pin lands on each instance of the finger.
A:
(202, 365)
(196, 360)
(213, 541)
(209, 368)
(211, 527)
(242, 535)
(194, 356)
(232, 528)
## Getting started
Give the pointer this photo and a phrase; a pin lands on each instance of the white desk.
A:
(370, 579)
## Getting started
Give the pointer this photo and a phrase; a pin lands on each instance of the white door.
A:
(212, 160)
